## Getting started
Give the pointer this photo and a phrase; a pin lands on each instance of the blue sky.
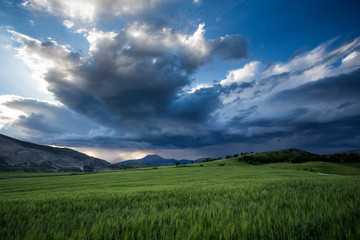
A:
(183, 79)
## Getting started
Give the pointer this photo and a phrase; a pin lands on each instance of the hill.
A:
(157, 160)
(294, 155)
(16, 155)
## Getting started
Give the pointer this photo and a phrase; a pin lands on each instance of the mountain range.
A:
(21, 156)
(16, 155)
(157, 160)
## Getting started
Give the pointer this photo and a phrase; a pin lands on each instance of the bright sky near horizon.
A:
(119, 79)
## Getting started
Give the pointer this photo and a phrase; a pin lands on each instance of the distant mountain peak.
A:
(152, 157)
(157, 160)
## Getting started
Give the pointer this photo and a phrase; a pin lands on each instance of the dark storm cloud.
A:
(133, 84)
(118, 87)
(231, 47)
(345, 104)
(326, 96)
(196, 107)
(43, 118)
(326, 111)
(47, 123)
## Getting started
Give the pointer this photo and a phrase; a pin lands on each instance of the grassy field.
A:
(322, 167)
(235, 201)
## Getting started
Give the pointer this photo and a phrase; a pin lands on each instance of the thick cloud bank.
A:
(135, 87)
(133, 81)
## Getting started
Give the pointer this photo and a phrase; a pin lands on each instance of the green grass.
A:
(10, 175)
(235, 201)
(322, 167)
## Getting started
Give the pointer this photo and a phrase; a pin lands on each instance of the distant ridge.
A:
(294, 155)
(355, 151)
(16, 155)
(157, 160)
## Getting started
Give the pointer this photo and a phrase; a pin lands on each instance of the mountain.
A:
(157, 160)
(127, 165)
(16, 155)
(153, 157)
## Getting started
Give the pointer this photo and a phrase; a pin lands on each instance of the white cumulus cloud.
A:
(90, 10)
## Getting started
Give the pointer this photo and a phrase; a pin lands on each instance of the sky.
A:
(120, 79)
